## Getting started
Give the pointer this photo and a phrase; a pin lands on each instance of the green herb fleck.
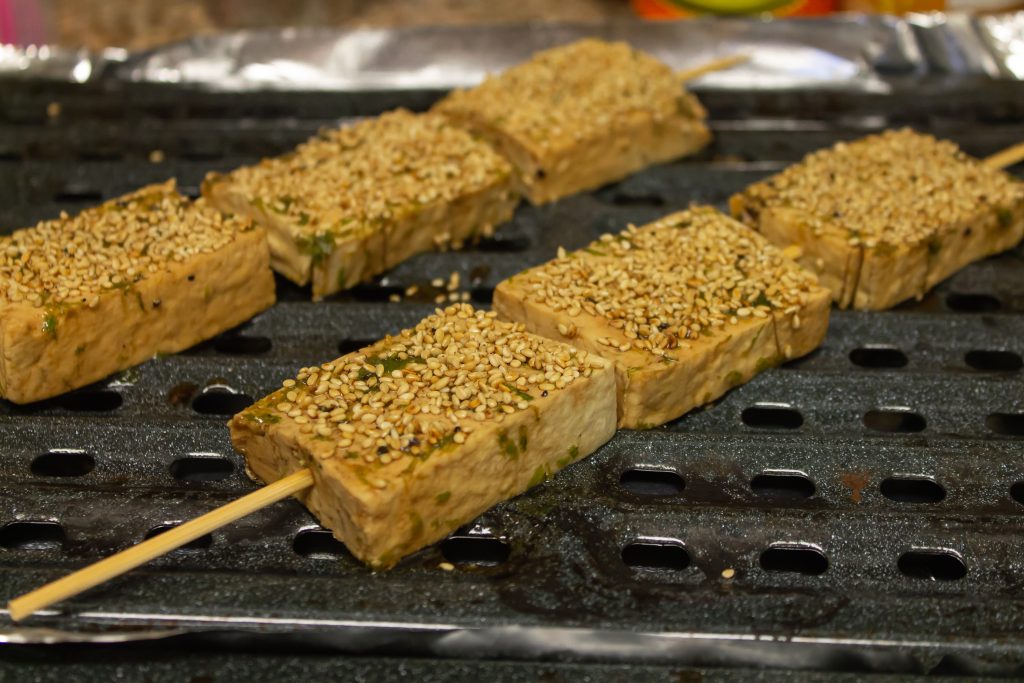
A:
(417, 524)
(644, 425)
(522, 439)
(507, 445)
(1004, 216)
(50, 325)
(319, 246)
(513, 389)
(734, 378)
(138, 298)
(762, 300)
(79, 349)
(539, 475)
(263, 417)
(443, 497)
(595, 252)
(934, 246)
(341, 278)
(390, 363)
(285, 203)
(764, 363)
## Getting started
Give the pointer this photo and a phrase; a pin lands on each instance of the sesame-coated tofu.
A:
(419, 433)
(148, 273)
(886, 217)
(686, 308)
(579, 116)
(355, 201)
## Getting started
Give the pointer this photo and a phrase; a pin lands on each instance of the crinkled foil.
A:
(1004, 35)
(55, 63)
(848, 51)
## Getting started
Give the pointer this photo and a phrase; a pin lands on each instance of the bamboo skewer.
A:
(1006, 158)
(720, 64)
(126, 560)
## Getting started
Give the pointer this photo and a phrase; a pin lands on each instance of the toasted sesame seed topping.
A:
(898, 187)
(663, 286)
(426, 388)
(574, 92)
(348, 182)
(73, 260)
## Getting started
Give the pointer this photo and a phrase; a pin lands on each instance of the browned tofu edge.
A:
(48, 351)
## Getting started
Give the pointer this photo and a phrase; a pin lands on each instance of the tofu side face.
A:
(118, 317)
(579, 116)
(686, 308)
(405, 477)
(353, 202)
(885, 218)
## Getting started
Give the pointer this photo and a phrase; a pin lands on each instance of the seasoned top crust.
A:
(346, 182)
(571, 93)
(668, 284)
(424, 389)
(897, 187)
(72, 260)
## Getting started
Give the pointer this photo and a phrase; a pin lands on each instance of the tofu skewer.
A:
(151, 272)
(686, 308)
(887, 217)
(356, 201)
(397, 445)
(578, 116)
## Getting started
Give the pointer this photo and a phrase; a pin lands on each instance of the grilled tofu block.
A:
(686, 308)
(150, 272)
(886, 217)
(579, 116)
(419, 433)
(356, 201)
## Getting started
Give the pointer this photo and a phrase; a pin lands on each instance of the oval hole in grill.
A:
(797, 559)
(993, 361)
(483, 550)
(61, 462)
(652, 482)
(1017, 492)
(879, 357)
(78, 194)
(318, 544)
(912, 490)
(202, 468)
(482, 295)
(890, 420)
(91, 401)
(202, 543)
(31, 535)
(353, 345)
(782, 486)
(933, 565)
(656, 554)
(242, 345)
(220, 402)
(772, 417)
(1010, 424)
(973, 303)
(502, 243)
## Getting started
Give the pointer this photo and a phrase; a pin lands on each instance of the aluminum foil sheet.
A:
(850, 52)
(55, 63)
(846, 52)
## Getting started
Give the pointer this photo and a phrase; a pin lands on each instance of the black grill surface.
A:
(857, 510)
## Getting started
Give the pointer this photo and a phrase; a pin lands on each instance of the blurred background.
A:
(141, 24)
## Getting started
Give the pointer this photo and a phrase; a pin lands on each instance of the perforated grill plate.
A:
(860, 509)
